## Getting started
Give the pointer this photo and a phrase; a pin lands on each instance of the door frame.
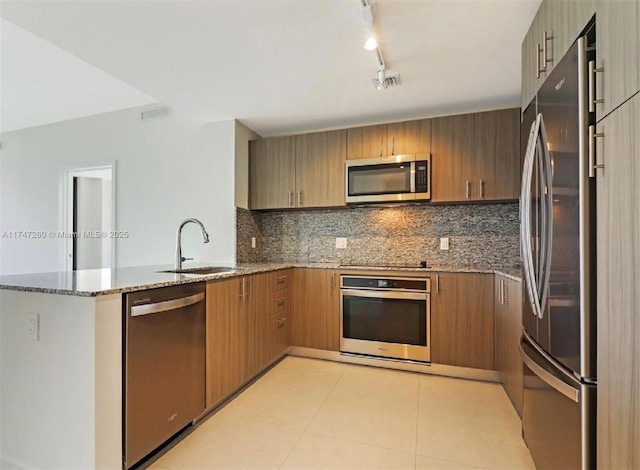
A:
(67, 203)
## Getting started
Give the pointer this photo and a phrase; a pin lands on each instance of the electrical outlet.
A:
(253, 242)
(341, 243)
(444, 243)
(33, 326)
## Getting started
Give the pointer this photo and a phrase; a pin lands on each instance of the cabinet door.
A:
(531, 57)
(320, 169)
(226, 339)
(618, 52)
(497, 168)
(272, 173)
(462, 321)
(452, 157)
(367, 142)
(508, 323)
(618, 284)
(409, 137)
(315, 310)
(564, 22)
(257, 297)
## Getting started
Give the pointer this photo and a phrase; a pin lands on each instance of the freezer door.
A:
(558, 418)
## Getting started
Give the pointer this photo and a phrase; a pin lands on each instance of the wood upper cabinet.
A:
(227, 339)
(315, 321)
(298, 171)
(618, 52)
(476, 157)
(618, 288)
(557, 24)
(367, 142)
(508, 328)
(462, 325)
(383, 140)
(409, 137)
(320, 169)
(272, 173)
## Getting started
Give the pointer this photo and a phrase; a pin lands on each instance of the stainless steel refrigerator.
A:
(558, 218)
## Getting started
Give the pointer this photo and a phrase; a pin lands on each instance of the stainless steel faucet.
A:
(205, 239)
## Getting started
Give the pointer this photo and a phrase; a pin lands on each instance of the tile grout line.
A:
(313, 417)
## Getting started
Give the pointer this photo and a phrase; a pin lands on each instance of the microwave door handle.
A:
(412, 177)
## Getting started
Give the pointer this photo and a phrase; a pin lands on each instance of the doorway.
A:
(89, 217)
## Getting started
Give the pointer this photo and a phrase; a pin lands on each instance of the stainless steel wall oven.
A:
(386, 316)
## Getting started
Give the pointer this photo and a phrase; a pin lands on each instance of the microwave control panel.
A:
(422, 176)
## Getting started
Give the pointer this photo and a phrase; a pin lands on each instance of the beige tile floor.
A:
(306, 413)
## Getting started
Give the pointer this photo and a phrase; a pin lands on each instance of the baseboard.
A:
(433, 369)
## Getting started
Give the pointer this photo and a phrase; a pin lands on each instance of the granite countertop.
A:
(94, 282)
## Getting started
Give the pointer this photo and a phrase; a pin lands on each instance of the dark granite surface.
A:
(94, 282)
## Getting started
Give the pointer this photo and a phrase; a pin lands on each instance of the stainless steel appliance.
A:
(557, 207)
(164, 370)
(388, 179)
(386, 316)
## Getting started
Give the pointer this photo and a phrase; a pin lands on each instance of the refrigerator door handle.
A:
(525, 213)
(554, 381)
(547, 220)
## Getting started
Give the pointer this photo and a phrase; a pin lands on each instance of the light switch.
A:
(444, 243)
(33, 326)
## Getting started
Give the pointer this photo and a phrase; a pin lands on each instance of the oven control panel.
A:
(386, 283)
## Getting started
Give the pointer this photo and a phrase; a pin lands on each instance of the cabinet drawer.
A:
(278, 301)
(279, 280)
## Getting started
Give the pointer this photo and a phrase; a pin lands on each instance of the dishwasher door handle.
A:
(159, 307)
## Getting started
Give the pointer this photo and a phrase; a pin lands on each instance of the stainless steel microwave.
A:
(389, 179)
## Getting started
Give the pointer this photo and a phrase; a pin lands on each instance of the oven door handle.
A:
(377, 294)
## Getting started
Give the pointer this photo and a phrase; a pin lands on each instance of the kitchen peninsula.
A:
(72, 372)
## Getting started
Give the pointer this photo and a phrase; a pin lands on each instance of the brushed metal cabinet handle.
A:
(290, 196)
(592, 86)
(468, 188)
(505, 294)
(481, 188)
(437, 284)
(299, 198)
(592, 151)
(538, 51)
(545, 57)
(393, 145)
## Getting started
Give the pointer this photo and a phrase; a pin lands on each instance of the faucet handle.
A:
(186, 259)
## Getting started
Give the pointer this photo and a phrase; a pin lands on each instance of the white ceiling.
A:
(284, 66)
(40, 83)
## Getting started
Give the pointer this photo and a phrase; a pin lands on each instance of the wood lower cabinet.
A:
(476, 157)
(618, 284)
(242, 338)
(508, 329)
(227, 338)
(462, 324)
(279, 313)
(315, 316)
(256, 299)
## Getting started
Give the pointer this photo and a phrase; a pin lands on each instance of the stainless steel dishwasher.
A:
(164, 365)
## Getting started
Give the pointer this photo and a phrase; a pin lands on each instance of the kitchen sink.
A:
(201, 271)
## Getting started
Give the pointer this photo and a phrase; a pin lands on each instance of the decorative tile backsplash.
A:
(478, 235)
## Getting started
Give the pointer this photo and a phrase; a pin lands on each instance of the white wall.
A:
(168, 169)
(243, 136)
(61, 395)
